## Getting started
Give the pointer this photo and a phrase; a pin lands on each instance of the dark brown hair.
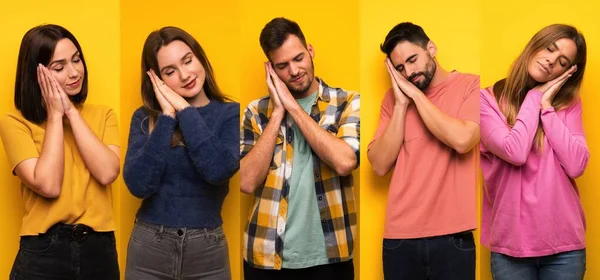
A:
(155, 41)
(37, 46)
(276, 31)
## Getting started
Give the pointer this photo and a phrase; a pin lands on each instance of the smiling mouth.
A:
(297, 79)
(75, 83)
(545, 68)
(191, 84)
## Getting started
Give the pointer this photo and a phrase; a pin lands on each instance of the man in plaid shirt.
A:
(299, 146)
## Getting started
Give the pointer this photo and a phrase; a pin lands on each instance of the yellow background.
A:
(454, 28)
(99, 40)
(346, 37)
(504, 39)
(330, 26)
(216, 26)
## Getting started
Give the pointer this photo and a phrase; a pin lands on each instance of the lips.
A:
(414, 80)
(190, 84)
(74, 84)
(297, 79)
(545, 68)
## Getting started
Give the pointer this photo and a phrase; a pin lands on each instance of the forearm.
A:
(254, 167)
(49, 169)
(100, 160)
(211, 155)
(336, 153)
(570, 148)
(384, 151)
(145, 160)
(455, 133)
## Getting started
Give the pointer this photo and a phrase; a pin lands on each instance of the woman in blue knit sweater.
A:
(183, 149)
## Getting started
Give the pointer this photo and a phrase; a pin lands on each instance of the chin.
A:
(538, 77)
(73, 92)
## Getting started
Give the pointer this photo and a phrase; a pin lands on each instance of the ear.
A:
(431, 48)
(311, 51)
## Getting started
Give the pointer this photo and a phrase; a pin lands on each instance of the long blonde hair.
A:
(510, 92)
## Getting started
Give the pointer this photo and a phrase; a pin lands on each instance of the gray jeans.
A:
(158, 252)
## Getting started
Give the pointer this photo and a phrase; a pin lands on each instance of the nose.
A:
(409, 70)
(184, 74)
(294, 69)
(552, 60)
(72, 71)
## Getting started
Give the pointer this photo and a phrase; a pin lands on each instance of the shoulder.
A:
(12, 119)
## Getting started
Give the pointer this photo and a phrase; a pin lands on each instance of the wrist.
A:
(546, 104)
(277, 114)
(71, 112)
(55, 116)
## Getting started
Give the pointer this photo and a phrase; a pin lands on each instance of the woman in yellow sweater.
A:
(66, 155)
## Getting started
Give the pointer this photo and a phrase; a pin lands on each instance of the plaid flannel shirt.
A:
(338, 112)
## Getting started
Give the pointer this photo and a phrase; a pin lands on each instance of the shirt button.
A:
(317, 174)
(320, 198)
(323, 221)
(180, 232)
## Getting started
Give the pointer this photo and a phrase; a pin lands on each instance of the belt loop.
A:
(205, 233)
(160, 232)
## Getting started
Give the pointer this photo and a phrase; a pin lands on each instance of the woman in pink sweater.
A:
(532, 149)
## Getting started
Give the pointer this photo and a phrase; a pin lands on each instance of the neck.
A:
(314, 86)
(199, 100)
(439, 76)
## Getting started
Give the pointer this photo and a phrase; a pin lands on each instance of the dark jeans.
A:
(157, 252)
(445, 257)
(563, 266)
(334, 271)
(64, 253)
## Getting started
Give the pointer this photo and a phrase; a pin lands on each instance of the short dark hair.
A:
(37, 46)
(405, 31)
(274, 34)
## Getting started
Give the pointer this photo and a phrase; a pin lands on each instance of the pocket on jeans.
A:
(37, 244)
(391, 244)
(109, 237)
(464, 242)
(144, 235)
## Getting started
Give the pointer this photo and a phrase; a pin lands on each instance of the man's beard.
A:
(300, 91)
(428, 74)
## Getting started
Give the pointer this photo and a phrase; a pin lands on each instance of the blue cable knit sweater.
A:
(183, 187)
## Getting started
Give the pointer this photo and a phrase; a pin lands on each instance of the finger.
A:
(49, 87)
(154, 86)
(41, 81)
(54, 84)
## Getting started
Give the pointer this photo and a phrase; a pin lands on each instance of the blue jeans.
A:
(65, 253)
(563, 266)
(158, 252)
(445, 257)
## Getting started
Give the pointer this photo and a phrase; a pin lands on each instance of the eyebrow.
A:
(184, 57)
(62, 61)
(562, 55)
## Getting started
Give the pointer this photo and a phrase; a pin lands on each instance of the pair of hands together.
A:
(552, 87)
(281, 97)
(57, 102)
(170, 102)
(404, 91)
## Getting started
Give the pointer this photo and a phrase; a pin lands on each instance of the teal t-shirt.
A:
(304, 242)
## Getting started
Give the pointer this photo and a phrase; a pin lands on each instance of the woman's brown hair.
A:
(510, 92)
(155, 41)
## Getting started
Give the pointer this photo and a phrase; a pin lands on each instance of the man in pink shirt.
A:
(428, 127)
